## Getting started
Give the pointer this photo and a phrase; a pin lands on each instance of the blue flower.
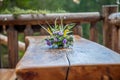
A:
(64, 41)
(60, 33)
(55, 39)
(48, 42)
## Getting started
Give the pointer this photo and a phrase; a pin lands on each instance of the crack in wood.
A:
(67, 74)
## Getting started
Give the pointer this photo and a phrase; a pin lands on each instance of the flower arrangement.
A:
(60, 35)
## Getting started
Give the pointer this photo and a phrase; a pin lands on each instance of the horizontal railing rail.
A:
(34, 19)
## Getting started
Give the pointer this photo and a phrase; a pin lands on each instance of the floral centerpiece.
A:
(60, 35)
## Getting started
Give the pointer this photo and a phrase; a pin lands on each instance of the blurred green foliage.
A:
(54, 5)
(16, 10)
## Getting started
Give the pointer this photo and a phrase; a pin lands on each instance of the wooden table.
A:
(86, 60)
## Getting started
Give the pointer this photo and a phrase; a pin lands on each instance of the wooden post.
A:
(115, 38)
(93, 32)
(12, 46)
(107, 28)
(0, 54)
(42, 31)
(28, 32)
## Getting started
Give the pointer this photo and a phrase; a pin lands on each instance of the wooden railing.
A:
(29, 24)
(114, 20)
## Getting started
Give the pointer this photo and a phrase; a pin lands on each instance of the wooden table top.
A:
(39, 58)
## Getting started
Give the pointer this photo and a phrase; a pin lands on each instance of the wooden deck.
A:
(7, 74)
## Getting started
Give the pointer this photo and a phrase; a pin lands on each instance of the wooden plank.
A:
(93, 32)
(53, 73)
(85, 73)
(86, 56)
(107, 31)
(87, 52)
(114, 72)
(7, 74)
(42, 63)
(12, 46)
(95, 72)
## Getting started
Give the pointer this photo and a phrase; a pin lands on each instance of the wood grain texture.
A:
(77, 30)
(7, 74)
(114, 20)
(107, 31)
(42, 73)
(115, 36)
(93, 32)
(28, 32)
(91, 61)
(42, 18)
(86, 52)
(94, 72)
(12, 46)
(42, 63)
(86, 60)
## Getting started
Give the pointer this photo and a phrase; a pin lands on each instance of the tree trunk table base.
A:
(86, 60)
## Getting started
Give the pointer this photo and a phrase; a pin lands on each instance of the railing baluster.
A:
(80, 30)
(77, 29)
(107, 31)
(12, 46)
(0, 52)
(115, 38)
(119, 39)
(93, 32)
(42, 31)
(28, 32)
